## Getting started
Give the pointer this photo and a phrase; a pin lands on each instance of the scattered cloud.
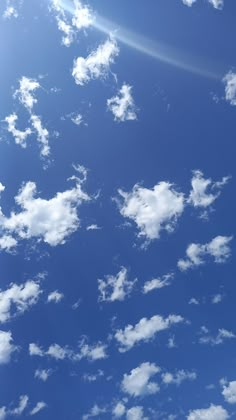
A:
(179, 377)
(51, 221)
(118, 411)
(39, 407)
(122, 105)
(55, 296)
(138, 383)
(135, 413)
(93, 377)
(153, 210)
(97, 64)
(115, 287)
(6, 346)
(18, 297)
(144, 330)
(23, 403)
(157, 283)
(95, 412)
(19, 135)
(42, 374)
(217, 4)
(229, 392)
(26, 91)
(230, 87)
(222, 335)
(212, 413)
(218, 248)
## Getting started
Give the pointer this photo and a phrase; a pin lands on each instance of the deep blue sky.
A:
(184, 123)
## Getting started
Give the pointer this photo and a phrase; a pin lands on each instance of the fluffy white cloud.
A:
(26, 92)
(20, 297)
(196, 254)
(217, 298)
(138, 383)
(57, 352)
(94, 412)
(11, 9)
(179, 377)
(42, 374)
(230, 87)
(55, 296)
(7, 243)
(19, 135)
(6, 346)
(204, 191)
(217, 4)
(39, 407)
(82, 18)
(118, 410)
(157, 283)
(23, 402)
(229, 392)
(136, 413)
(115, 287)
(222, 335)
(42, 135)
(52, 220)
(122, 105)
(214, 412)
(144, 330)
(97, 64)
(153, 210)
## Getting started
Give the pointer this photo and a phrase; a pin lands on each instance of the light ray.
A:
(154, 49)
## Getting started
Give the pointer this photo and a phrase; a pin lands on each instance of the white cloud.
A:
(19, 135)
(230, 87)
(7, 243)
(118, 410)
(52, 220)
(138, 383)
(189, 2)
(217, 298)
(214, 412)
(57, 352)
(42, 135)
(144, 330)
(218, 248)
(157, 283)
(23, 402)
(39, 406)
(77, 119)
(222, 335)
(97, 64)
(135, 413)
(42, 374)
(229, 392)
(6, 346)
(94, 412)
(204, 191)
(217, 4)
(153, 210)
(26, 92)
(179, 377)
(55, 297)
(122, 105)
(11, 9)
(193, 301)
(93, 377)
(20, 297)
(82, 18)
(3, 413)
(93, 227)
(115, 287)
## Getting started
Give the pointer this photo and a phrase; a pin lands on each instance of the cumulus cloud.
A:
(217, 4)
(212, 413)
(18, 297)
(122, 105)
(94, 412)
(42, 134)
(218, 248)
(26, 91)
(42, 374)
(118, 410)
(57, 352)
(82, 18)
(178, 377)
(157, 283)
(19, 135)
(222, 335)
(230, 87)
(55, 297)
(204, 191)
(97, 64)
(229, 392)
(136, 413)
(6, 346)
(115, 287)
(51, 221)
(153, 210)
(11, 10)
(23, 402)
(144, 330)
(39, 407)
(138, 383)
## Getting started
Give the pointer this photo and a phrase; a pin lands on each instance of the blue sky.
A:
(117, 183)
